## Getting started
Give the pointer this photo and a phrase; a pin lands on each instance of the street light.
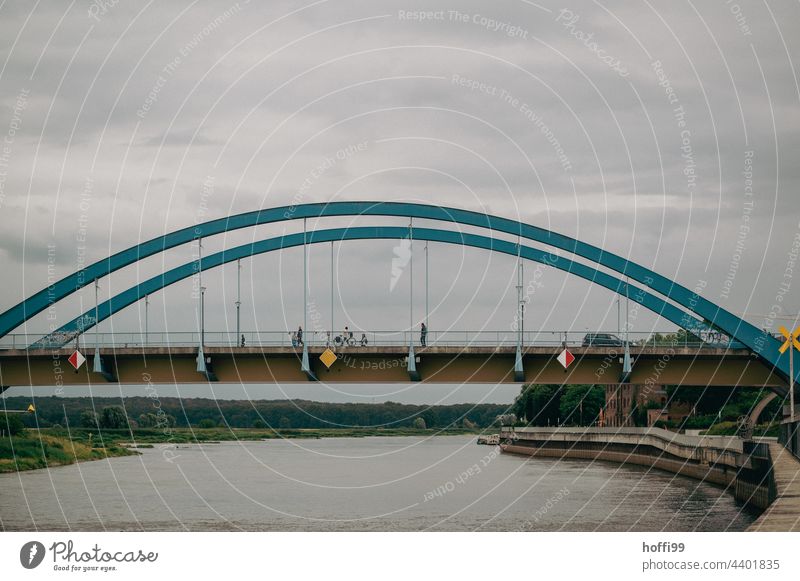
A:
(238, 297)
(96, 317)
(202, 316)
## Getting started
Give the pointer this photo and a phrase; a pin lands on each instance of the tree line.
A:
(115, 412)
(580, 405)
(554, 405)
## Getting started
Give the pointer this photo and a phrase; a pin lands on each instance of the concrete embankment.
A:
(744, 468)
(784, 513)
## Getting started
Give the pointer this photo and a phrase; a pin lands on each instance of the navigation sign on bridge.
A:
(76, 360)
(328, 357)
(565, 358)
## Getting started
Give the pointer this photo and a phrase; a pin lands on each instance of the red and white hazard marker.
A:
(565, 358)
(76, 359)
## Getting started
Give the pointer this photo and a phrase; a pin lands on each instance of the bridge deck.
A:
(784, 513)
(705, 366)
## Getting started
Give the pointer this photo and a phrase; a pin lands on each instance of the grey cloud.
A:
(214, 112)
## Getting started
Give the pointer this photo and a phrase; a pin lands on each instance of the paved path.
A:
(784, 513)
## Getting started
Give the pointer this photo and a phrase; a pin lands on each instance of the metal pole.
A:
(411, 279)
(305, 282)
(238, 298)
(522, 302)
(426, 285)
(627, 311)
(96, 313)
(619, 317)
(791, 379)
(332, 327)
(146, 317)
(202, 291)
(202, 316)
(519, 301)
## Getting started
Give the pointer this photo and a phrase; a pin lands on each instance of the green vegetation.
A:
(170, 412)
(11, 424)
(40, 450)
(105, 427)
(716, 410)
(769, 429)
(553, 405)
(141, 438)
(719, 409)
(678, 339)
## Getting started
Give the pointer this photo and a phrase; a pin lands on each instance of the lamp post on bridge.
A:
(201, 357)
(519, 369)
(202, 292)
(238, 298)
(626, 358)
(202, 316)
(426, 286)
(305, 365)
(98, 362)
(96, 318)
(146, 318)
(412, 358)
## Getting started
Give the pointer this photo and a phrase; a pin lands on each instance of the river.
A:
(375, 484)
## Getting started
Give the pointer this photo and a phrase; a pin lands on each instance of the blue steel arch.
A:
(757, 340)
(156, 283)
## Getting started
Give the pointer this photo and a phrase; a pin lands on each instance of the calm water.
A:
(381, 484)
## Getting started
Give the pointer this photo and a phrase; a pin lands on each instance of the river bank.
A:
(58, 447)
(743, 468)
(34, 449)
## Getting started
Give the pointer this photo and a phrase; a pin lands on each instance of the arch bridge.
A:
(746, 355)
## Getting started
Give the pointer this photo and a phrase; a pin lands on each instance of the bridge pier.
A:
(204, 366)
(413, 374)
(99, 366)
(305, 365)
(519, 368)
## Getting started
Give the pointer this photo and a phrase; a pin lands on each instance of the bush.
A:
(420, 424)
(113, 418)
(259, 424)
(88, 419)
(207, 423)
(12, 424)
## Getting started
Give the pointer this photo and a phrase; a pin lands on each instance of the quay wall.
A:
(744, 468)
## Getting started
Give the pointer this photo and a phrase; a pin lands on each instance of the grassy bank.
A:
(143, 436)
(57, 447)
(33, 449)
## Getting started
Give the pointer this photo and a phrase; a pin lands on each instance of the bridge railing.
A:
(482, 338)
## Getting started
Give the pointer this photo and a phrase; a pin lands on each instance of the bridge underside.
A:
(593, 365)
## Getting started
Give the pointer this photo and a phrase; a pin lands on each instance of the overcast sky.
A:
(628, 126)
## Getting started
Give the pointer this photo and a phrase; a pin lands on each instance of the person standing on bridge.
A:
(299, 336)
(423, 335)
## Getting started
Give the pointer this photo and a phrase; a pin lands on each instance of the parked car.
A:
(601, 340)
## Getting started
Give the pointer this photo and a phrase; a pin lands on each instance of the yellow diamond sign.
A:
(31, 409)
(791, 339)
(328, 357)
